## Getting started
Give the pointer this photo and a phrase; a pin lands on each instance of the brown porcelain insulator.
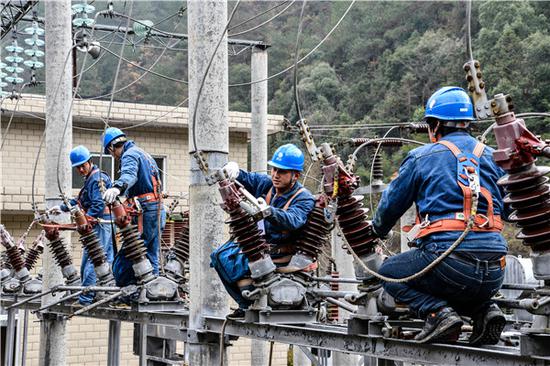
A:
(245, 232)
(377, 171)
(181, 246)
(60, 253)
(15, 258)
(167, 235)
(132, 244)
(32, 257)
(374, 142)
(352, 218)
(91, 243)
(315, 234)
(4, 261)
(419, 127)
(35, 251)
(332, 309)
(529, 196)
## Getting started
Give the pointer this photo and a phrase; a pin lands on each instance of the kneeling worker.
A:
(290, 204)
(437, 178)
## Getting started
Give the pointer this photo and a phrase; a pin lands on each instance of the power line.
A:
(303, 58)
(265, 22)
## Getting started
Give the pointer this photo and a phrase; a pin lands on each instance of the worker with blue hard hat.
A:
(290, 205)
(441, 179)
(139, 181)
(90, 200)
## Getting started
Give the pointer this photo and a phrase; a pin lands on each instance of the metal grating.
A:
(12, 12)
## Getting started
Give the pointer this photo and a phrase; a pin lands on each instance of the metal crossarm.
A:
(12, 12)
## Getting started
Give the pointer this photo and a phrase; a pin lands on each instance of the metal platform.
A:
(330, 337)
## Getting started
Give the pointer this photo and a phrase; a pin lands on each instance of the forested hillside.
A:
(379, 65)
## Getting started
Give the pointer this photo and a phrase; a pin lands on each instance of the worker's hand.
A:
(54, 211)
(231, 170)
(111, 194)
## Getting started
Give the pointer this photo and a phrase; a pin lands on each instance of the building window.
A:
(161, 163)
(107, 164)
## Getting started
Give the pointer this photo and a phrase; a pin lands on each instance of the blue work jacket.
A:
(428, 177)
(89, 197)
(282, 227)
(137, 169)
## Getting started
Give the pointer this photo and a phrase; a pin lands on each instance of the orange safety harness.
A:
(284, 248)
(466, 164)
(287, 204)
(134, 202)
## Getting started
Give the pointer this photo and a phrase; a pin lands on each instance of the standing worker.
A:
(290, 204)
(443, 179)
(89, 199)
(139, 181)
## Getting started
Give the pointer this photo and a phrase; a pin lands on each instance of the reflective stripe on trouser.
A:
(87, 272)
(122, 266)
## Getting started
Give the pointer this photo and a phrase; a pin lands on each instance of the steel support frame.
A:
(330, 337)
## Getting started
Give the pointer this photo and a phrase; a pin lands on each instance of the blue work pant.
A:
(87, 272)
(464, 286)
(122, 266)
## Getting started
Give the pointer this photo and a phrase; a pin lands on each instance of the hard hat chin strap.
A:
(433, 134)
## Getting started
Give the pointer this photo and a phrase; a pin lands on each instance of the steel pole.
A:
(58, 142)
(206, 24)
(113, 355)
(10, 337)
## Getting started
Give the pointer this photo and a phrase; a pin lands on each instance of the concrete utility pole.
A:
(258, 147)
(206, 24)
(258, 109)
(58, 101)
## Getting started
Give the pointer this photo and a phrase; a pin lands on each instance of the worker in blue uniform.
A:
(290, 204)
(436, 177)
(139, 181)
(89, 199)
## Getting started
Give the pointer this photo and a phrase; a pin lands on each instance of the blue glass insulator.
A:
(34, 42)
(34, 64)
(14, 79)
(34, 53)
(14, 69)
(15, 59)
(14, 48)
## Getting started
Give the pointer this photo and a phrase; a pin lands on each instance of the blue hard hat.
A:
(80, 155)
(111, 134)
(450, 104)
(288, 157)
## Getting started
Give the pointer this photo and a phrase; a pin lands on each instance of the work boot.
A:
(488, 325)
(441, 326)
(237, 314)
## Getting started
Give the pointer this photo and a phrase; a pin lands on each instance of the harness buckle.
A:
(485, 223)
(415, 230)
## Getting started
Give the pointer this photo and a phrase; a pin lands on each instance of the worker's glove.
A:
(231, 170)
(111, 194)
(54, 211)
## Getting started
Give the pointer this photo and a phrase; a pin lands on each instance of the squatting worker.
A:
(290, 205)
(89, 199)
(436, 178)
(139, 181)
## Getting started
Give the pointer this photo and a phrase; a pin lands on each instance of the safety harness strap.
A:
(287, 204)
(466, 164)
